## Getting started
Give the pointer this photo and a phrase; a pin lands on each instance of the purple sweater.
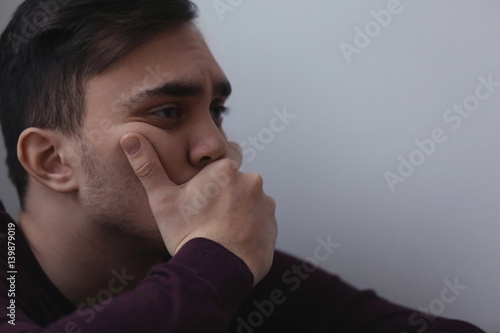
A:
(204, 288)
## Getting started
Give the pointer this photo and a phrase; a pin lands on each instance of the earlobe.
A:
(44, 155)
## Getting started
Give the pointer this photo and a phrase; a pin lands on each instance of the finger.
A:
(234, 154)
(146, 164)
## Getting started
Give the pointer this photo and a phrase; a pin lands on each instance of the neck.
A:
(80, 257)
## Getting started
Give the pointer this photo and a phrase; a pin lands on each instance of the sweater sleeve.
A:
(198, 290)
(297, 297)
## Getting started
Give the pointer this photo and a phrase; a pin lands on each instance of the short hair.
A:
(51, 48)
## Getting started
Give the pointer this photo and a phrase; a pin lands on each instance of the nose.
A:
(208, 143)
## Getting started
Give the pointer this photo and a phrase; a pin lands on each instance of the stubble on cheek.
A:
(114, 198)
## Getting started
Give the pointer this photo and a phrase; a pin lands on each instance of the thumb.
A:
(146, 164)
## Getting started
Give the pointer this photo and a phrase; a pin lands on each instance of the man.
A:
(135, 217)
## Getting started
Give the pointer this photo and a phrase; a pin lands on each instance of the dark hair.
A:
(51, 48)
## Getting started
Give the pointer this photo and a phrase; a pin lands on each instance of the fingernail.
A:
(132, 145)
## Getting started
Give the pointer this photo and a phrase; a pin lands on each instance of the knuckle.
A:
(272, 203)
(145, 169)
(256, 180)
(228, 165)
(235, 154)
(274, 233)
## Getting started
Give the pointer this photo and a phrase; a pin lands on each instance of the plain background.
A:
(353, 121)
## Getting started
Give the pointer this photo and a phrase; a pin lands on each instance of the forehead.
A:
(183, 42)
(178, 53)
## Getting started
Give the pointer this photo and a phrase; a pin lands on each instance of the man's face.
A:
(171, 91)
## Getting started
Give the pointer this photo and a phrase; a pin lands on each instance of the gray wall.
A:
(7, 191)
(356, 119)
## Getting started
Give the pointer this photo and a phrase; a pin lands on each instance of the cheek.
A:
(173, 157)
(174, 152)
(171, 149)
(100, 132)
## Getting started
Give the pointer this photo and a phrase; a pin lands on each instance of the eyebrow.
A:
(180, 88)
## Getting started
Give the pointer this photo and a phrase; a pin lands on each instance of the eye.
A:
(217, 112)
(169, 113)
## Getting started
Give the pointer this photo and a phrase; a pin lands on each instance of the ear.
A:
(49, 158)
